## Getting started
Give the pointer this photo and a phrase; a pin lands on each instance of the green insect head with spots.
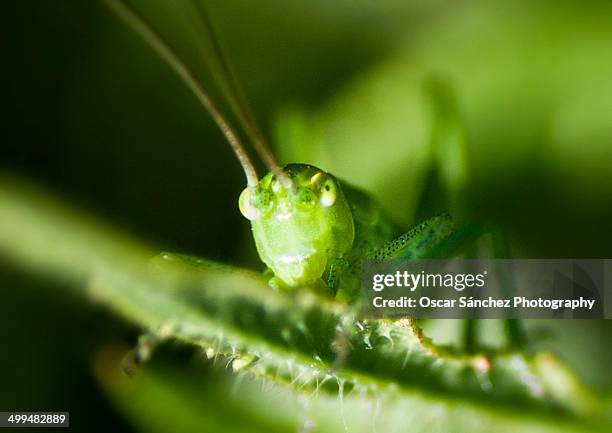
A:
(300, 229)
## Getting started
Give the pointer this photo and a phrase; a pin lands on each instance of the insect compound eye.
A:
(329, 193)
(247, 208)
(254, 202)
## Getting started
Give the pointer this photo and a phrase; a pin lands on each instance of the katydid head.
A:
(299, 215)
(298, 229)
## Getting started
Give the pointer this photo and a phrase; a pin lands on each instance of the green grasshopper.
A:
(310, 228)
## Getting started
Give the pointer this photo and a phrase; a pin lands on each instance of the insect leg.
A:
(462, 242)
(420, 242)
(515, 330)
(447, 174)
(336, 266)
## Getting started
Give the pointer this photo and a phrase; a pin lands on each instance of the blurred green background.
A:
(96, 117)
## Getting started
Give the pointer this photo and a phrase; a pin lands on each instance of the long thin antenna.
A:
(240, 105)
(149, 34)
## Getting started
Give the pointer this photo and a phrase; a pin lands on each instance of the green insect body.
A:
(310, 228)
(317, 232)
